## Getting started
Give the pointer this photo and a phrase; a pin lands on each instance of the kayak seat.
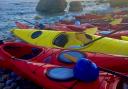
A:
(61, 40)
(88, 37)
(13, 50)
(21, 52)
(36, 34)
(60, 74)
(35, 52)
(78, 55)
(27, 56)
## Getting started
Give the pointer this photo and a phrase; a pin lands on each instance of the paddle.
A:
(73, 59)
(29, 22)
(92, 41)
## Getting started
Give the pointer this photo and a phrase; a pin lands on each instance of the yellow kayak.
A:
(61, 39)
(124, 38)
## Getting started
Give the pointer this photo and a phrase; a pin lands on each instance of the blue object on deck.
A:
(105, 32)
(77, 23)
(78, 55)
(86, 70)
(60, 74)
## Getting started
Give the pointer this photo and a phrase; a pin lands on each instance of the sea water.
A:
(15, 10)
(20, 10)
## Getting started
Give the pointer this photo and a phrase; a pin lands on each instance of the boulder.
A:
(118, 3)
(75, 6)
(57, 6)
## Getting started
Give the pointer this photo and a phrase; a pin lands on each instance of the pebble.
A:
(1, 85)
(17, 87)
(1, 80)
(7, 87)
(5, 77)
(9, 80)
(13, 85)
(13, 75)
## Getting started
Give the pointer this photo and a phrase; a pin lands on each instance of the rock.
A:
(7, 87)
(38, 17)
(1, 80)
(118, 3)
(17, 87)
(1, 85)
(75, 6)
(51, 6)
(9, 82)
(14, 85)
(13, 75)
(5, 77)
(56, 6)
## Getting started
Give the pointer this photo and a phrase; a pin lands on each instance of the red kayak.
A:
(23, 51)
(59, 27)
(76, 28)
(121, 13)
(22, 25)
(83, 27)
(89, 16)
(117, 35)
(57, 77)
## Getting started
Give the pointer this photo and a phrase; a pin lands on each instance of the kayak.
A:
(59, 27)
(117, 35)
(104, 25)
(48, 76)
(82, 27)
(109, 25)
(90, 16)
(121, 13)
(124, 38)
(23, 51)
(22, 25)
(72, 40)
(64, 27)
(86, 26)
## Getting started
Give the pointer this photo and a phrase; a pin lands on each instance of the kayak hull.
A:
(49, 38)
(22, 51)
(36, 69)
(37, 73)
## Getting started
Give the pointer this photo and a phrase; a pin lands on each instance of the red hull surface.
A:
(21, 25)
(59, 27)
(37, 72)
(118, 35)
(23, 51)
(89, 16)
